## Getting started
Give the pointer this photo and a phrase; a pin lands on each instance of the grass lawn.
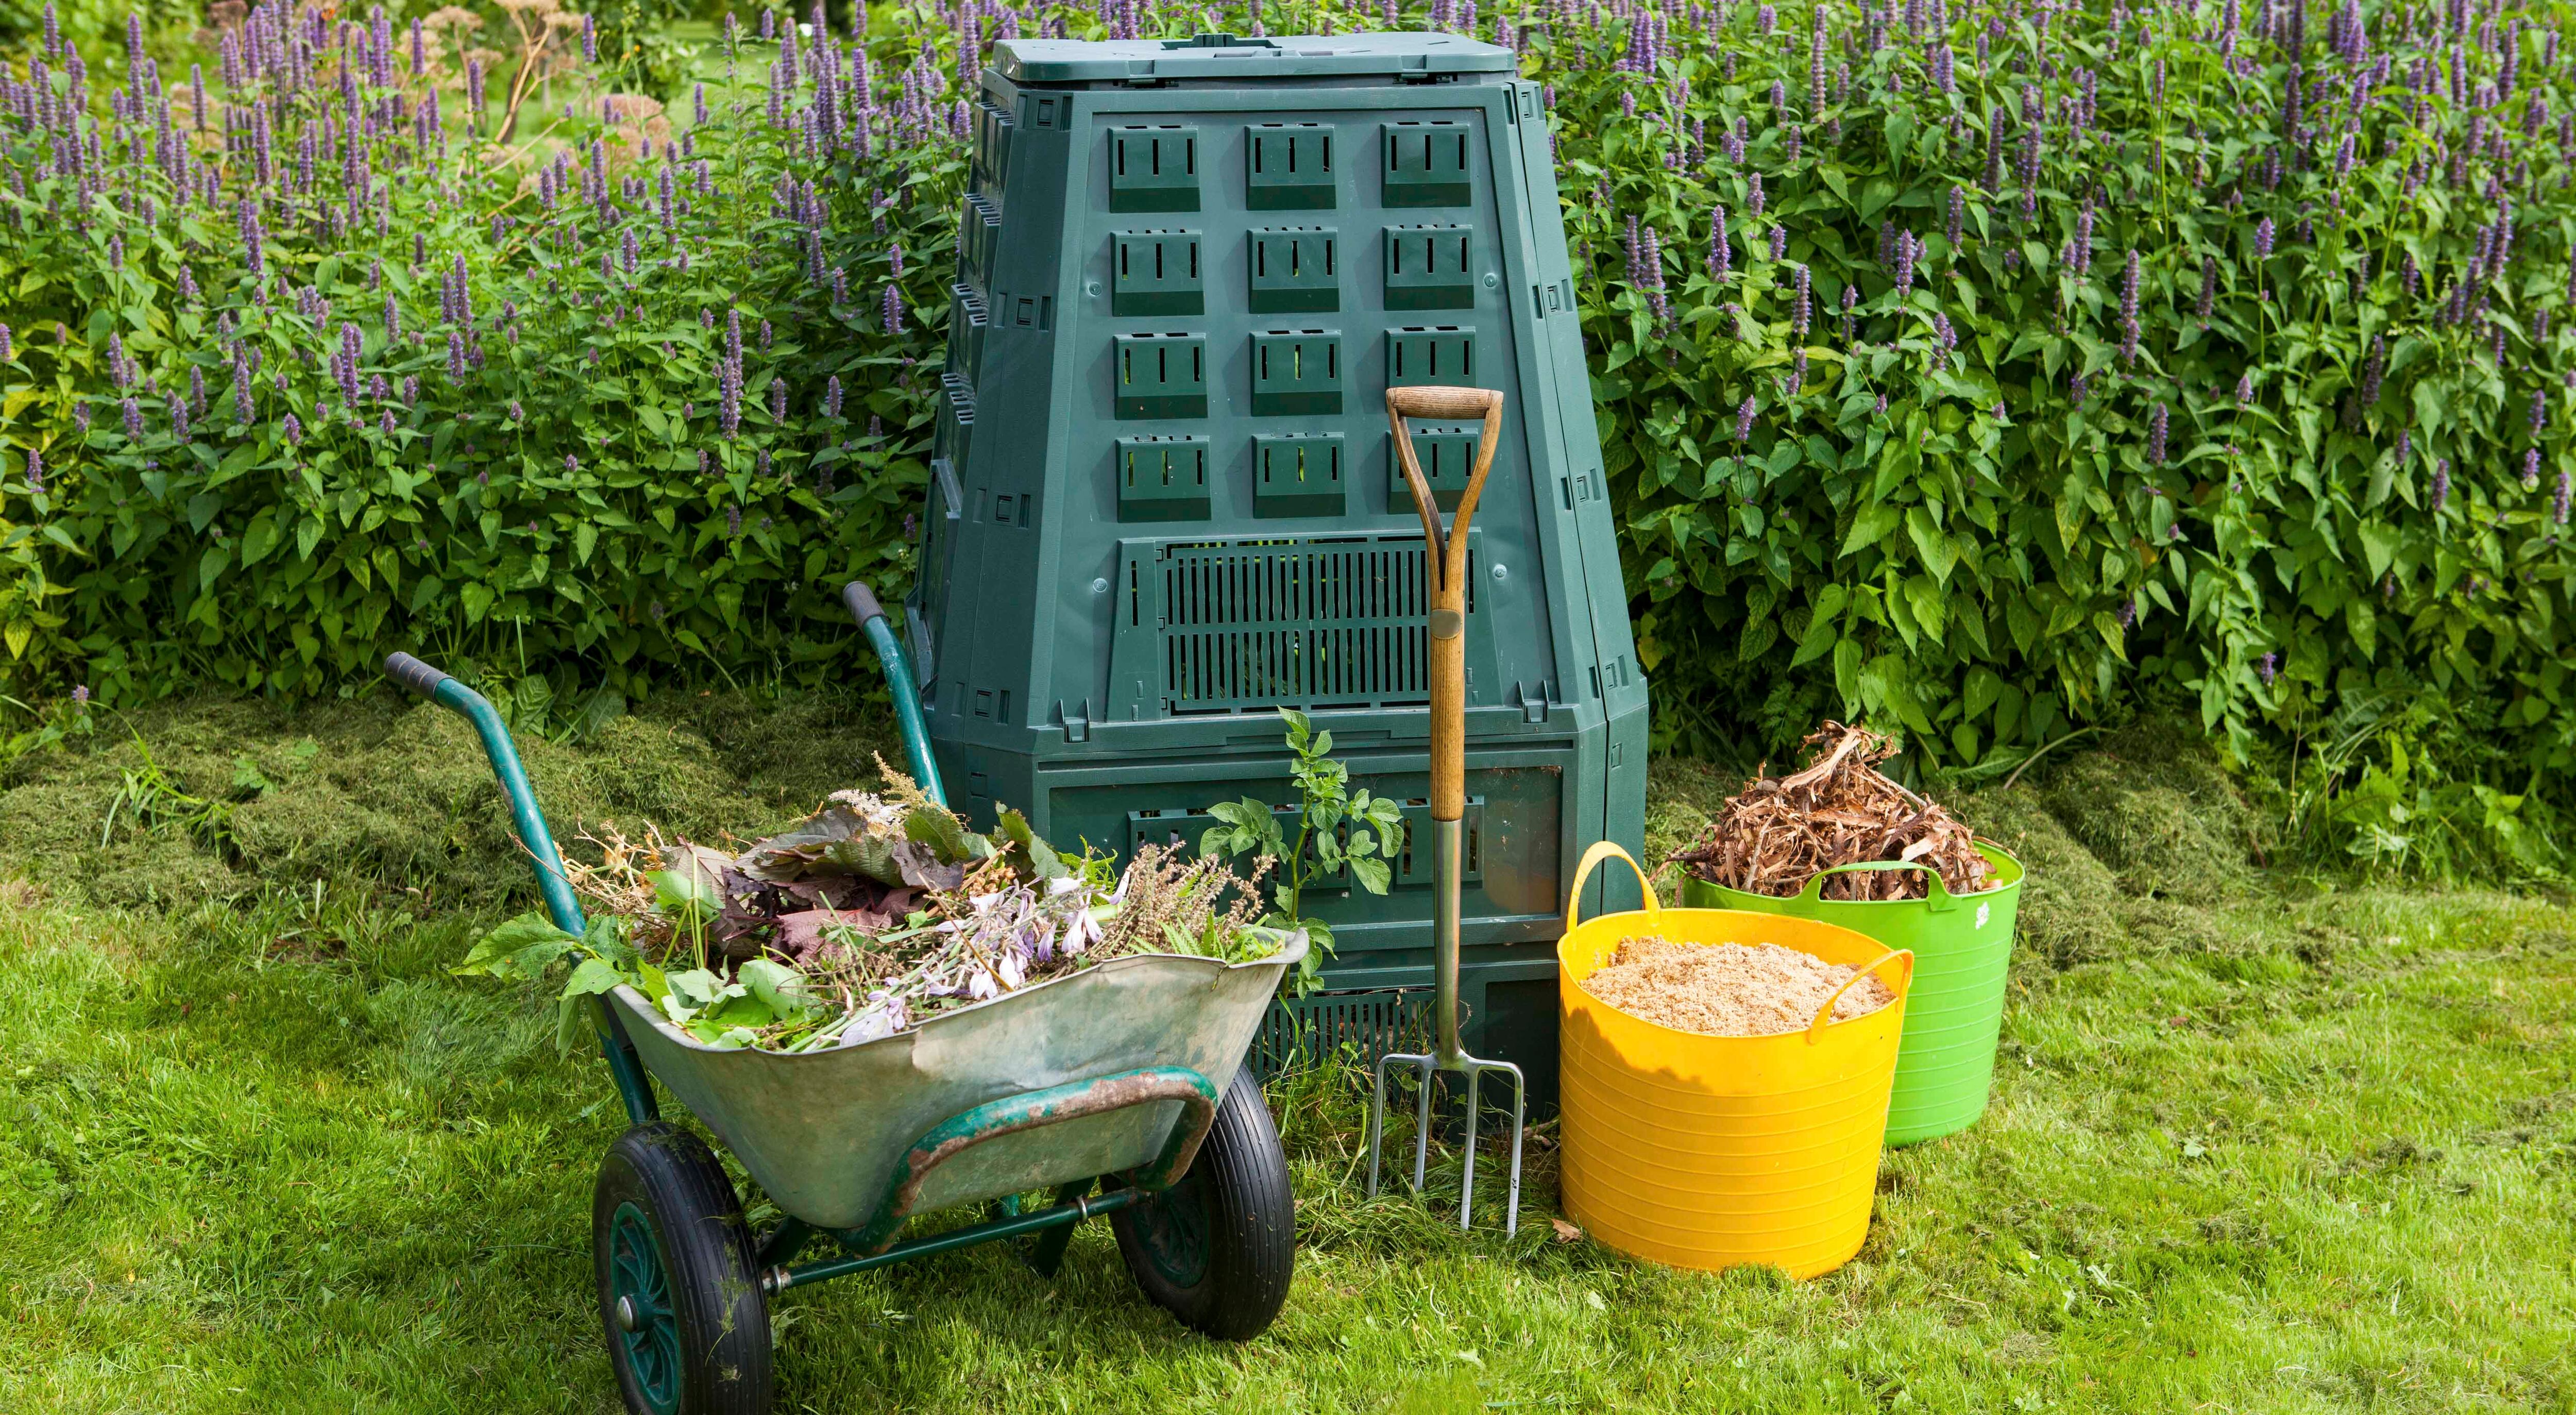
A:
(2256, 1145)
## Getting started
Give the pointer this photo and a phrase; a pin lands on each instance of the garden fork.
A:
(1444, 559)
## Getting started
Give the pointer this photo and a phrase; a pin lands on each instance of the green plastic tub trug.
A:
(1962, 950)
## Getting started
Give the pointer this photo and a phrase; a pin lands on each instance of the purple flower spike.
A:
(1744, 419)
(294, 430)
(2441, 484)
(2269, 666)
(2156, 436)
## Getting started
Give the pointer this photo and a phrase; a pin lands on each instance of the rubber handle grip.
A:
(1432, 401)
(414, 674)
(862, 602)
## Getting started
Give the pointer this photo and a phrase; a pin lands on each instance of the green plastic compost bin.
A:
(1162, 502)
(1962, 946)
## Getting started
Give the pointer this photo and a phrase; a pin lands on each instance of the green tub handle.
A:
(1941, 897)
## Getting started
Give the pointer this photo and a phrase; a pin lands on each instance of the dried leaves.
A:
(1838, 810)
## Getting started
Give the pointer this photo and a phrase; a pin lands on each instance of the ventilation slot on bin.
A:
(1307, 1031)
(1246, 626)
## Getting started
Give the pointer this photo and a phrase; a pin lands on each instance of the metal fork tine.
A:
(1467, 1160)
(1377, 1120)
(1422, 1122)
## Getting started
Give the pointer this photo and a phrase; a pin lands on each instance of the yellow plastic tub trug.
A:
(1710, 1152)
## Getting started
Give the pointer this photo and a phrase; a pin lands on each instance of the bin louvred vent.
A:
(1233, 626)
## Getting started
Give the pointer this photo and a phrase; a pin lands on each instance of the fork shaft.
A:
(1446, 847)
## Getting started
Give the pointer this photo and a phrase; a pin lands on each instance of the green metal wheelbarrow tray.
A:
(1102, 1086)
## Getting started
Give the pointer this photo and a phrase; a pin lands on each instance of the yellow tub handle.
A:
(1598, 853)
(1824, 1014)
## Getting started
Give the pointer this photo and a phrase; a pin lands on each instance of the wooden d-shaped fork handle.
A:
(1444, 562)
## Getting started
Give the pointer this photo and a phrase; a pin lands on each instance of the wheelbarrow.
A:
(1102, 1086)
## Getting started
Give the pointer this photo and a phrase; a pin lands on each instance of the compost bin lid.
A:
(1226, 56)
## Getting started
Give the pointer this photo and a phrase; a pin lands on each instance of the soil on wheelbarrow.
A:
(1838, 810)
(1729, 989)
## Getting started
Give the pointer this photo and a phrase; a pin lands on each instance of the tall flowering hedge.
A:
(2217, 350)
(1973, 368)
(304, 362)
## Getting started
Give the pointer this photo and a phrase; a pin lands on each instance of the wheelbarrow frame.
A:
(877, 1241)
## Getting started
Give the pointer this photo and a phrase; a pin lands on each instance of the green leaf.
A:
(1873, 522)
(2378, 546)
(494, 953)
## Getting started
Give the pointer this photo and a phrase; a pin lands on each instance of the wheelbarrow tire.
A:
(1217, 1249)
(668, 1238)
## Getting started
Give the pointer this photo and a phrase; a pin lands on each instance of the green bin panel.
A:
(1157, 272)
(1162, 478)
(1289, 167)
(1294, 270)
(1161, 375)
(1443, 354)
(1297, 474)
(1426, 163)
(1154, 169)
(1430, 267)
(1296, 371)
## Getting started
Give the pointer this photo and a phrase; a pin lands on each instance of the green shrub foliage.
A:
(325, 366)
(1975, 368)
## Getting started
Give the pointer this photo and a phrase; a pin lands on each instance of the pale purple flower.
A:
(1744, 419)
(2268, 666)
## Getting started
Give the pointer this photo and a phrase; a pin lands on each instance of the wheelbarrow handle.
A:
(871, 618)
(529, 823)
(422, 679)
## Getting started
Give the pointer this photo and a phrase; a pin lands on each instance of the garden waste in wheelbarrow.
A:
(1120, 1087)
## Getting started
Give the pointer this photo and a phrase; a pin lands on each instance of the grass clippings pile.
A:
(1729, 989)
(1779, 831)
